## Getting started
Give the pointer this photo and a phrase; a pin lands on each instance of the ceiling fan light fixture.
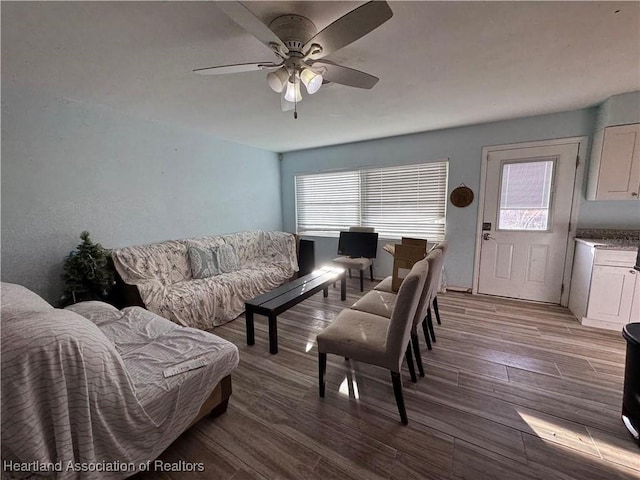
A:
(278, 80)
(312, 81)
(292, 93)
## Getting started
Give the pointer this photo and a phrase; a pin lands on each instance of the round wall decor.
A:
(461, 196)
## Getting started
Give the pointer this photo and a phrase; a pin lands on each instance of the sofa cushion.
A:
(247, 245)
(207, 262)
(166, 262)
(208, 302)
(201, 259)
(224, 259)
(96, 311)
(148, 344)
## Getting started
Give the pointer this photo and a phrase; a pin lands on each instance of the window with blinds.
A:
(525, 195)
(408, 200)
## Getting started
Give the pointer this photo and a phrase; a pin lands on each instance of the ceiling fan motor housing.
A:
(294, 31)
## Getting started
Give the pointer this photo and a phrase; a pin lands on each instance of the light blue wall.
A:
(463, 146)
(68, 167)
(619, 110)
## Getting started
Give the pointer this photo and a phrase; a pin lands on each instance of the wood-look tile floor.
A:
(513, 390)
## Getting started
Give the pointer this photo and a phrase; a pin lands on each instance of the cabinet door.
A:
(611, 294)
(635, 306)
(619, 173)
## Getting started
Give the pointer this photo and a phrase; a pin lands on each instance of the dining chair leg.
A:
(350, 273)
(322, 368)
(362, 280)
(435, 309)
(416, 352)
(371, 271)
(397, 390)
(412, 369)
(425, 330)
(430, 325)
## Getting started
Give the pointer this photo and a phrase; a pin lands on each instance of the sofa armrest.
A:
(124, 295)
(306, 257)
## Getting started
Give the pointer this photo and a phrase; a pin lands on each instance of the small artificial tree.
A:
(87, 272)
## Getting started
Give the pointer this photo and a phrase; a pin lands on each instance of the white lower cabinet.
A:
(635, 303)
(611, 294)
(605, 290)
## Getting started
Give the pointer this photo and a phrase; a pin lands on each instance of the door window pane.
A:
(525, 195)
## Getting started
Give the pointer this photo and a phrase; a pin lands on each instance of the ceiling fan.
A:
(301, 49)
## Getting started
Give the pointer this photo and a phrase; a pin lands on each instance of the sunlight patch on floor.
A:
(552, 434)
(349, 388)
(310, 344)
(337, 271)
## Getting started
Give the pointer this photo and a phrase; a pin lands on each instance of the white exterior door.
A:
(526, 214)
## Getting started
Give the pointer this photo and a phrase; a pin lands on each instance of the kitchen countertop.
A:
(610, 243)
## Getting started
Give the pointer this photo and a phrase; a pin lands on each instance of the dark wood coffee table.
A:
(281, 299)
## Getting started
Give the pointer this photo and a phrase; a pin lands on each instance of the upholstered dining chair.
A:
(373, 339)
(382, 303)
(442, 246)
(433, 286)
(360, 263)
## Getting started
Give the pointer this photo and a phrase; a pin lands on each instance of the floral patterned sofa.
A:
(173, 281)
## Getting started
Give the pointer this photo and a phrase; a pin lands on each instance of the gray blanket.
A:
(86, 396)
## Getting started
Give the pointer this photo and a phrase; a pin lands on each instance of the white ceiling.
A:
(441, 64)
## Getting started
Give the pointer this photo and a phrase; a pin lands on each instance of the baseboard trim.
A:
(454, 288)
(590, 322)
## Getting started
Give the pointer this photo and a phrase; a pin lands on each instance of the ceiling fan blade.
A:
(237, 68)
(350, 27)
(247, 20)
(345, 76)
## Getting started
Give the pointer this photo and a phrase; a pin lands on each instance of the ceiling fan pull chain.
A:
(296, 79)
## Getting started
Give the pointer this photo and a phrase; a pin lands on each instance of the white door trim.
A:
(575, 203)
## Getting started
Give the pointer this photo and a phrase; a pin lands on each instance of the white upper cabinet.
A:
(614, 172)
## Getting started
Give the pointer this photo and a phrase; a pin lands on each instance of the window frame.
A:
(359, 170)
(552, 191)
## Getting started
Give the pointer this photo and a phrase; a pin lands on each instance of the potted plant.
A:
(88, 273)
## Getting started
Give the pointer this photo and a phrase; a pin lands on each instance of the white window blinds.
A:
(327, 202)
(408, 200)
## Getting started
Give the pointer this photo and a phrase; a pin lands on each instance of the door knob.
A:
(486, 236)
